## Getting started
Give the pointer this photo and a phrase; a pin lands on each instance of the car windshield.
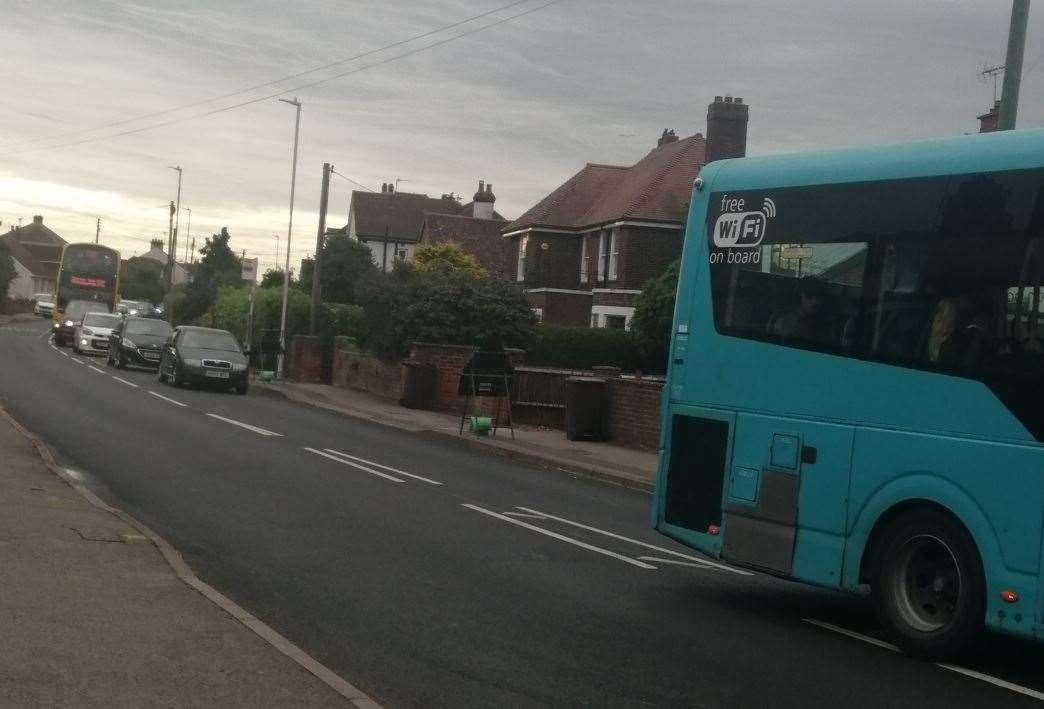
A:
(43, 297)
(100, 320)
(76, 309)
(210, 340)
(148, 327)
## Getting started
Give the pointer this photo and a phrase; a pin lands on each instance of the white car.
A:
(91, 335)
(43, 304)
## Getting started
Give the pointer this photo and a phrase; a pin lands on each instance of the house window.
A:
(594, 319)
(539, 312)
(401, 252)
(608, 254)
(584, 259)
(523, 244)
(616, 322)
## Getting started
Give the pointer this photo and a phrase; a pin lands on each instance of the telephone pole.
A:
(174, 237)
(188, 232)
(317, 262)
(1013, 65)
(170, 240)
(97, 230)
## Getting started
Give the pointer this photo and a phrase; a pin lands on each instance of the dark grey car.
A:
(203, 356)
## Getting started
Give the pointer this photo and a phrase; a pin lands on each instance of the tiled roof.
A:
(37, 233)
(396, 215)
(656, 188)
(478, 237)
(22, 254)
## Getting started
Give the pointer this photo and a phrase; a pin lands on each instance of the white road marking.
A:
(706, 562)
(356, 465)
(561, 537)
(382, 467)
(91, 366)
(160, 396)
(677, 562)
(63, 354)
(524, 515)
(77, 361)
(247, 426)
(990, 679)
(53, 347)
(124, 381)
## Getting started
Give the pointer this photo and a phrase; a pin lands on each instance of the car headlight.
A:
(83, 341)
(127, 343)
(56, 325)
(69, 323)
(132, 312)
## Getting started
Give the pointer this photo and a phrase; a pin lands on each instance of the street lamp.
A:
(289, 232)
(174, 232)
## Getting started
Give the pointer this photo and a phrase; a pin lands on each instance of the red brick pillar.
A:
(306, 361)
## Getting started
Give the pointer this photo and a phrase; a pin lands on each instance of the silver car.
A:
(43, 304)
(91, 335)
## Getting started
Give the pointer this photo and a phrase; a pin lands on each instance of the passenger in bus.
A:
(812, 319)
(958, 336)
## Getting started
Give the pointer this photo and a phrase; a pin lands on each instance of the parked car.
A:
(65, 329)
(43, 304)
(138, 342)
(204, 356)
(132, 307)
(91, 335)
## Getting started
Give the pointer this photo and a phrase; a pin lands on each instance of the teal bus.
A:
(855, 391)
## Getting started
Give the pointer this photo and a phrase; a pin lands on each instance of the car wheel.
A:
(175, 376)
(929, 588)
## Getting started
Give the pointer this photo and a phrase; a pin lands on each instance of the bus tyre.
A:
(929, 588)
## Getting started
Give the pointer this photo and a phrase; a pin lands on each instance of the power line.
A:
(348, 179)
(113, 124)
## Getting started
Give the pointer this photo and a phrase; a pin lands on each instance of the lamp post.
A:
(289, 232)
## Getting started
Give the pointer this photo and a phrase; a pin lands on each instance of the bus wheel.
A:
(929, 588)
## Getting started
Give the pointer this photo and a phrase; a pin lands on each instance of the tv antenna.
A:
(992, 72)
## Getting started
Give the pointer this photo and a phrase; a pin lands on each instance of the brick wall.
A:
(557, 266)
(355, 369)
(634, 412)
(449, 361)
(306, 360)
(645, 252)
(562, 308)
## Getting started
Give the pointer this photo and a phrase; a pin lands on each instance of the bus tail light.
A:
(714, 530)
(1009, 596)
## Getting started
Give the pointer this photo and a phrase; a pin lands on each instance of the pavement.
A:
(428, 573)
(613, 463)
(93, 615)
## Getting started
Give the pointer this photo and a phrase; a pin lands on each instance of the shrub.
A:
(653, 317)
(582, 348)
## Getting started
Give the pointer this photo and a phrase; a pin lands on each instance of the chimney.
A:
(726, 128)
(482, 202)
(37, 219)
(669, 136)
(384, 188)
(988, 120)
(156, 244)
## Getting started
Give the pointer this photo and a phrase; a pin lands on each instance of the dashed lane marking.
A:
(524, 515)
(677, 562)
(561, 537)
(92, 367)
(342, 461)
(247, 426)
(124, 381)
(78, 361)
(166, 398)
(989, 679)
(382, 467)
(687, 557)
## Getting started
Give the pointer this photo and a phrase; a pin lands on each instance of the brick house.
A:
(476, 230)
(583, 252)
(390, 223)
(37, 252)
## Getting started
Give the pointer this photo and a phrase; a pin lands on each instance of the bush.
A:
(654, 315)
(583, 348)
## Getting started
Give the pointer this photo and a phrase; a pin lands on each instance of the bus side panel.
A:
(999, 505)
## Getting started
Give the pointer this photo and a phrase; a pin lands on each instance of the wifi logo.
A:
(768, 207)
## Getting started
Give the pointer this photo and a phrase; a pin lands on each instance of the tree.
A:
(273, 277)
(447, 258)
(142, 279)
(346, 263)
(7, 270)
(653, 315)
(218, 267)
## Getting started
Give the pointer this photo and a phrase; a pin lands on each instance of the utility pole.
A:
(193, 252)
(289, 232)
(174, 237)
(1013, 65)
(188, 233)
(170, 240)
(317, 262)
(97, 230)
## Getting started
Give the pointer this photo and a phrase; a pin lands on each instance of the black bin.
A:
(586, 404)
(418, 387)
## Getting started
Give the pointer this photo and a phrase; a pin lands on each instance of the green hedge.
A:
(586, 347)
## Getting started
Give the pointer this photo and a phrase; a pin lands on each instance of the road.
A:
(430, 574)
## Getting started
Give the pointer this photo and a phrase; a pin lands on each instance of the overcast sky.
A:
(523, 104)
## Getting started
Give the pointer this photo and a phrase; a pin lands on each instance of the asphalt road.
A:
(429, 574)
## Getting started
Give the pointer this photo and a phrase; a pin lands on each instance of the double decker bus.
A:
(89, 276)
(855, 391)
